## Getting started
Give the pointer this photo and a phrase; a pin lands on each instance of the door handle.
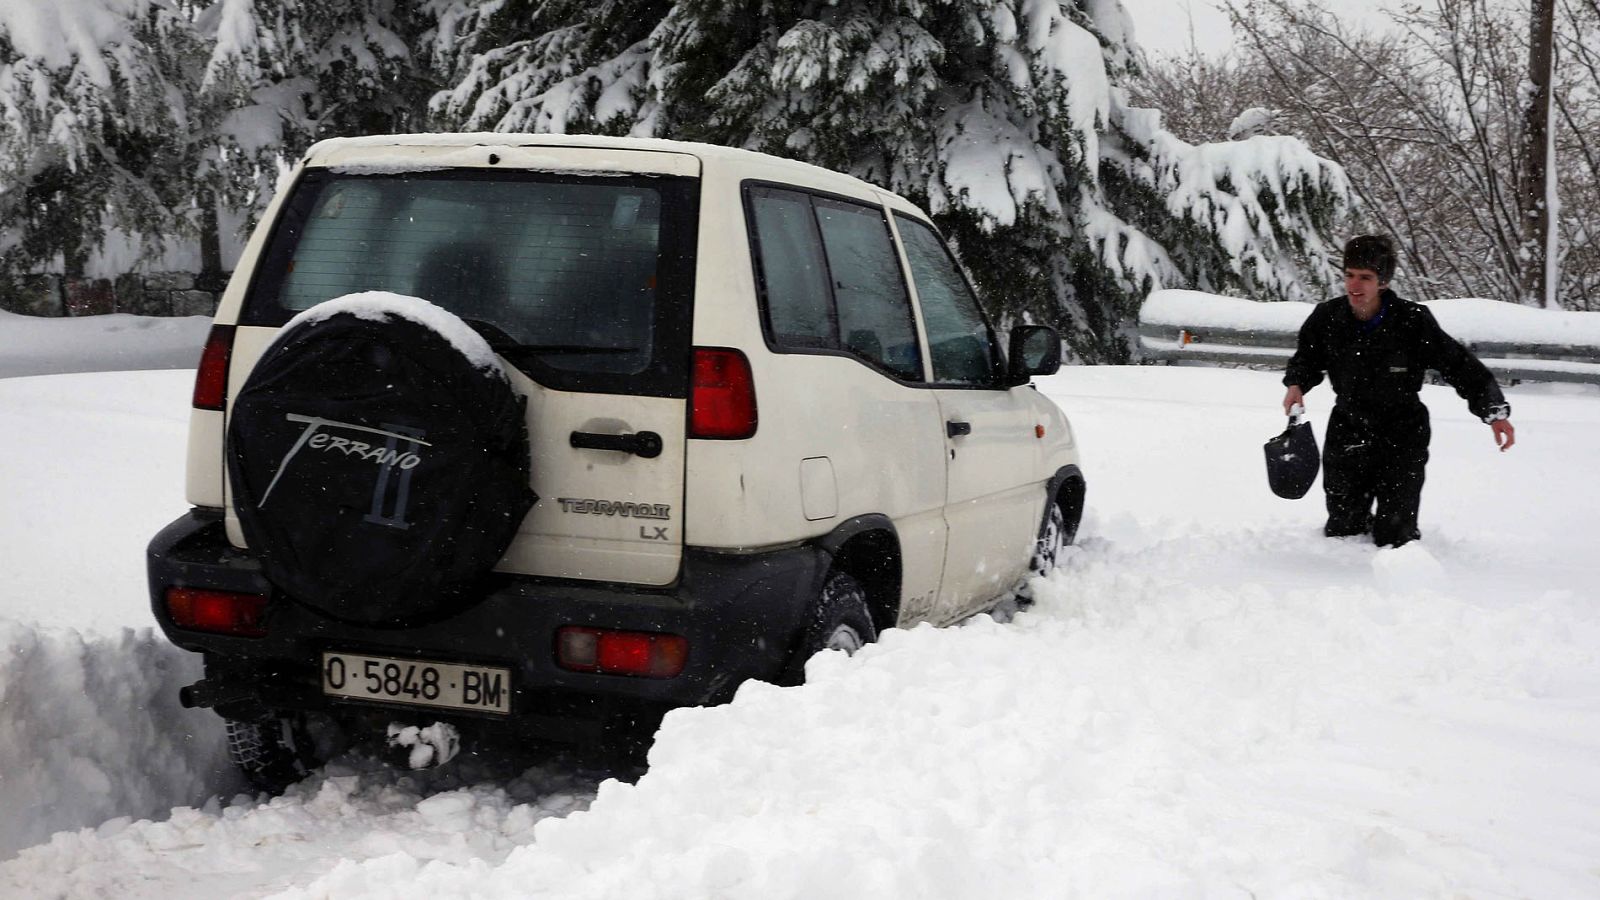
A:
(957, 429)
(646, 444)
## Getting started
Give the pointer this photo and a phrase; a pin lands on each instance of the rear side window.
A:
(583, 282)
(830, 279)
(960, 343)
(794, 272)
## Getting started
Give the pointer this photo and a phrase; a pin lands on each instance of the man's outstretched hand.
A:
(1294, 397)
(1504, 434)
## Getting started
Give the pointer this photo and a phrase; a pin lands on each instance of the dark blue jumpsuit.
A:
(1376, 448)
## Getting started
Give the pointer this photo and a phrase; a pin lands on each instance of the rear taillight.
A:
(621, 652)
(219, 612)
(722, 401)
(211, 380)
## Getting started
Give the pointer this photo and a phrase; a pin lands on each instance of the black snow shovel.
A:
(1292, 457)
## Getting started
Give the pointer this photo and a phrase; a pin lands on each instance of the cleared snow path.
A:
(1209, 699)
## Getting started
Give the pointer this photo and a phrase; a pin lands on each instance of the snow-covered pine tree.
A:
(144, 116)
(562, 66)
(95, 129)
(1006, 118)
(289, 72)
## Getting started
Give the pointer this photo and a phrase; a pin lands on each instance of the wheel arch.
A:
(868, 548)
(1066, 489)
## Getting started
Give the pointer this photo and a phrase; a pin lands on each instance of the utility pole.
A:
(1539, 206)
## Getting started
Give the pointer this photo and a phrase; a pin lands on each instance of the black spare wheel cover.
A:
(377, 470)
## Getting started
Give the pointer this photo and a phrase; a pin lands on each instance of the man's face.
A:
(1363, 287)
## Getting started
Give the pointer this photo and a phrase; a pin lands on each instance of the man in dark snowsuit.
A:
(1375, 349)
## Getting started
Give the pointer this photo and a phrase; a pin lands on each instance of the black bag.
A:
(377, 473)
(1293, 459)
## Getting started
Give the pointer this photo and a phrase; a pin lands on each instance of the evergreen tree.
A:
(97, 129)
(290, 72)
(561, 66)
(1005, 118)
(146, 116)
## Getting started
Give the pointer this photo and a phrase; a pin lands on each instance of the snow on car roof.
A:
(749, 162)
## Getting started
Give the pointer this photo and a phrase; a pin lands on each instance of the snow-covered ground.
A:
(1209, 699)
(33, 345)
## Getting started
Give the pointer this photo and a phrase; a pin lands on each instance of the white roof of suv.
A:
(397, 152)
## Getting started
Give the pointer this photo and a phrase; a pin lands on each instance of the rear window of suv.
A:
(582, 281)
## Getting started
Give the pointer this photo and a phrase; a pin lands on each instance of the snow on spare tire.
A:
(378, 457)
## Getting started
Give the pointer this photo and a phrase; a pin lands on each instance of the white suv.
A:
(665, 417)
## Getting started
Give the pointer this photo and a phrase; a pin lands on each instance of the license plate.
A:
(417, 682)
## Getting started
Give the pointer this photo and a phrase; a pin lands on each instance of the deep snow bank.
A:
(34, 345)
(91, 466)
(1137, 735)
(1161, 724)
(253, 846)
(1209, 699)
(90, 729)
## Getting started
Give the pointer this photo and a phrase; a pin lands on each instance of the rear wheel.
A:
(840, 620)
(272, 753)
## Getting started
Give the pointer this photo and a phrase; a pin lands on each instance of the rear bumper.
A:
(742, 614)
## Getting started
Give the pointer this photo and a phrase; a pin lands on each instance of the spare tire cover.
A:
(377, 471)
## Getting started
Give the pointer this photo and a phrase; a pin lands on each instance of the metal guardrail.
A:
(1271, 348)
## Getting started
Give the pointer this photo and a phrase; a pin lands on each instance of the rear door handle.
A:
(957, 429)
(646, 444)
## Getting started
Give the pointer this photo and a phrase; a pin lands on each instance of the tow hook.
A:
(425, 747)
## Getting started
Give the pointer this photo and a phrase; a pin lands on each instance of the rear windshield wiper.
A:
(575, 348)
(502, 342)
(494, 334)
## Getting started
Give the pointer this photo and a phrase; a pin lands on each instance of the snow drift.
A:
(1209, 698)
(92, 730)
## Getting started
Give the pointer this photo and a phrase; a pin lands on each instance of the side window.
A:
(831, 280)
(868, 288)
(794, 274)
(959, 341)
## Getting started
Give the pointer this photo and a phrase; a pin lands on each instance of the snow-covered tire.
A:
(272, 753)
(1055, 533)
(839, 620)
(1053, 538)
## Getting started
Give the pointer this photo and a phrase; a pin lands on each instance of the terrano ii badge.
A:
(624, 508)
